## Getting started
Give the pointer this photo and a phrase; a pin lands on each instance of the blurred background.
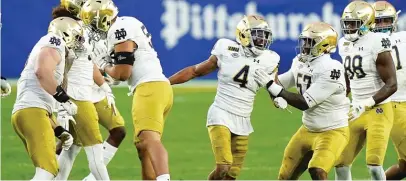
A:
(183, 34)
(183, 31)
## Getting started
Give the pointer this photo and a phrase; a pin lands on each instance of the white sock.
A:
(376, 172)
(343, 173)
(164, 177)
(65, 162)
(108, 153)
(41, 174)
(96, 164)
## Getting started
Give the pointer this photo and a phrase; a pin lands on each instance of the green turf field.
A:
(185, 138)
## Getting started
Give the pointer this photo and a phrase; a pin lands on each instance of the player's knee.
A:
(317, 173)
(374, 159)
(118, 133)
(402, 166)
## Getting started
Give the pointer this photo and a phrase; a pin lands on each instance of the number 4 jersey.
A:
(236, 85)
(359, 59)
(147, 66)
(398, 40)
(322, 84)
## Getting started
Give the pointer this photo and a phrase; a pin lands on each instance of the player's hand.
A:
(111, 81)
(64, 136)
(267, 80)
(357, 108)
(5, 88)
(110, 96)
(70, 107)
(64, 118)
(280, 103)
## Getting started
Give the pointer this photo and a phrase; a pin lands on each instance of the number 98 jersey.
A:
(398, 40)
(237, 88)
(359, 59)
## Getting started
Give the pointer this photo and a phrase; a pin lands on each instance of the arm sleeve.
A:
(55, 42)
(124, 30)
(322, 89)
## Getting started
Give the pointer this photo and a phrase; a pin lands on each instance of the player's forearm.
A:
(183, 76)
(117, 72)
(97, 76)
(386, 91)
(295, 100)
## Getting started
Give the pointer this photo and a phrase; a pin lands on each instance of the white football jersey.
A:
(147, 66)
(80, 75)
(322, 83)
(29, 90)
(398, 41)
(237, 88)
(359, 59)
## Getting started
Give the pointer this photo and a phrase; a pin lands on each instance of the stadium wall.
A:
(183, 31)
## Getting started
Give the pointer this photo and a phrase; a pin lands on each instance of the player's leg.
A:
(380, 122)
(33, 127)
(327, 148)
(354, 146)
(88, 132)
(398, 136)
(239, 148)
(149, 123)
(296, 155)
(220, 138)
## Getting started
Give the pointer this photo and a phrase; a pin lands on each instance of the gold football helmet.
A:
(385, 17)
(316, 40)
(69, 30)
(254, 33)
(358, 19)
(73, 6)
(98, 15)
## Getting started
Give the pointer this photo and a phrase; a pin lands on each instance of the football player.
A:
(84, 75)
(324, 134)
(136, 61)
(371, 75)
(5, 88)
(386, 19)
(228, 118)
(37, 91)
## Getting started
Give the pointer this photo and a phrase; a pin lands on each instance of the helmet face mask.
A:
(261, 38)
(384, 25)
(385, 17)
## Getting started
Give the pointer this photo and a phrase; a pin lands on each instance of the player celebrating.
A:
(386, 19)
(137, 62)
(324, 133)
(371, 75)
(37, 90)
(228, 118)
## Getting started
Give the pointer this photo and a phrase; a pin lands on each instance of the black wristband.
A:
(269, 84)
(58, 131)
(61, 95)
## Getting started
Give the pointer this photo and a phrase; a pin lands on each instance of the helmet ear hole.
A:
(242, 35)
(65, 34)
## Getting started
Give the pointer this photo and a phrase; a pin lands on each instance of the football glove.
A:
(267, 80)
(357, 109)
(111, 81)
(110, 96)
(5, 88)
(64, 118)
(64, 136)
(64, 101)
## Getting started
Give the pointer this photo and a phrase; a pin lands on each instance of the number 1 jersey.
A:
(359, 59)
(398, 41)
(236, 85)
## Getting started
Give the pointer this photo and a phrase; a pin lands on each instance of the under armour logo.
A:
(55, 41)
(335, 74)
(360, 48)
(397, 41)
(120, 34)
(385, 42)
(379, 110)
(256, 60)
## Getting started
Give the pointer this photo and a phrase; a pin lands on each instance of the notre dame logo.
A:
(385, 42)
(335, 74)
(55, 41)
(120, 34)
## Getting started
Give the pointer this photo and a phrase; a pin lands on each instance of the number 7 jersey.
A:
(399, 59)
(237, 88)
(359, 59)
